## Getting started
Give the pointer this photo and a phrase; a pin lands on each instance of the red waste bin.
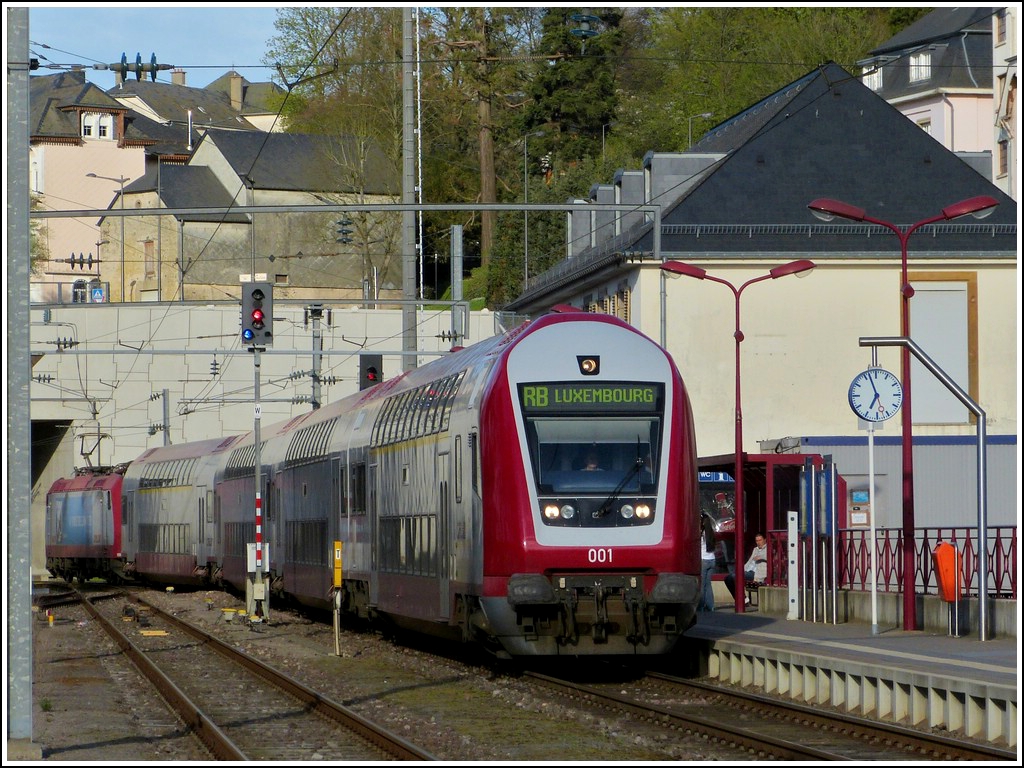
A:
(947, 571)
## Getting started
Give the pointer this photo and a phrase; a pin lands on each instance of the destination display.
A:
(575, 397)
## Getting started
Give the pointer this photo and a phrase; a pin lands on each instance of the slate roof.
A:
(210, 109)
(824, 135)
(305, 162)
(186, 186)
(960, 42)
(51, 96)
(257, 98)
(159, 138)
(939, 25)
(740, 128)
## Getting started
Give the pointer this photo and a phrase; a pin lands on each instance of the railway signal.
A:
(369, 370)
(258, 314)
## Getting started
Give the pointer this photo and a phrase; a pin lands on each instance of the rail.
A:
(854, 559)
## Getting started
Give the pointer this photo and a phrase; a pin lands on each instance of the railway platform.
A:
(913, 678)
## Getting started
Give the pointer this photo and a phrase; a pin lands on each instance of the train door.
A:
(200, 537)
(128, 523)
(373, 515)
(210, 529)
(336, 515)
(442, 472)
(271, 522)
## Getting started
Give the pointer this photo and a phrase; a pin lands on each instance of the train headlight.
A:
(568, 511)
(551, 511)
(626, 511)
(643, 511)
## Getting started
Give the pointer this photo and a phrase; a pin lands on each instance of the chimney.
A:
(177, 76)
(236, 91)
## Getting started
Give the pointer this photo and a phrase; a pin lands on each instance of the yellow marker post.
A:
(338, 547)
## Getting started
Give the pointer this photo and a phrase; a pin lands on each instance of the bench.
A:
(751, 589)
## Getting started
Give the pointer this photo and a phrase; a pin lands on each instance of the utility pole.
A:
(409, 336)
(316, 312)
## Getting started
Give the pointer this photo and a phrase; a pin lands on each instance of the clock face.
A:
(876, 395)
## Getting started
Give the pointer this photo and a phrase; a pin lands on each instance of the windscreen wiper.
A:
(606, 504)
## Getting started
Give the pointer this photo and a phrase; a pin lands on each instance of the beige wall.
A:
(801, 348)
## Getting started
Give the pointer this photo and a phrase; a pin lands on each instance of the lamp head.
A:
(677, 268)
(826, 210)
(978, 207)
(800, 268)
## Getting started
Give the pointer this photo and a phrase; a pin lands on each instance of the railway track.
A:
(763, 727)
(239, 707)
(530, 716)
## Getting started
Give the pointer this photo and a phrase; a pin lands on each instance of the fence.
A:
(854, 559)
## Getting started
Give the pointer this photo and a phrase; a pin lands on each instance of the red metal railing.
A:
(853, 559)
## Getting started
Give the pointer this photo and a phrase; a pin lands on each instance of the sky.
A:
(205, 39)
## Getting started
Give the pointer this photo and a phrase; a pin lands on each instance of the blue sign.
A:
(99, 295)
(714, 477)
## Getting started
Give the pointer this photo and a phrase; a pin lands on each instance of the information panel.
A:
(578, 397)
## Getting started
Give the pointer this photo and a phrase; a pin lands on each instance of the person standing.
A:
(707, 564)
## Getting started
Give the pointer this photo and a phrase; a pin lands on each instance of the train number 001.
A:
(599, 555)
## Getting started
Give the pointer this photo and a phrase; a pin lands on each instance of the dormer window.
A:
(872, 77)
(97, 126)
(920, 66)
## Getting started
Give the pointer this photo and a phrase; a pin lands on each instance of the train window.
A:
(624, 450)
(458, 468)
(474, 465)
(358, 487)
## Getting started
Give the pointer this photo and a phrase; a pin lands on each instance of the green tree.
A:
(723, 59)
(489, 76)
(39, 246)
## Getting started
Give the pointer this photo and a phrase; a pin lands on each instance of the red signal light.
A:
(257, 318)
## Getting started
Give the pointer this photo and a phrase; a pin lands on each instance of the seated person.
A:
(756, 567)
(591, 463)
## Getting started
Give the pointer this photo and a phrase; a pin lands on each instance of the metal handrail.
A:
(854, 556)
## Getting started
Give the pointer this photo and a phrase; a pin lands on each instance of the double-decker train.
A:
(453, 499)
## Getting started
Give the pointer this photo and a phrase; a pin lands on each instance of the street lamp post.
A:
(689, 127)
(99, 263)
(606, 125)
(826, 210)
(120, 180)
(526, 215)
(676, 268)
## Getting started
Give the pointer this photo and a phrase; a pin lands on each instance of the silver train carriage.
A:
(455, 498)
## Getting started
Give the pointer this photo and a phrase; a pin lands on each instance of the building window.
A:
(97, 126)
(920, 66)
(1001, 26)
(149, 254)
(1003, 151)
(925, 125)
(872, 77)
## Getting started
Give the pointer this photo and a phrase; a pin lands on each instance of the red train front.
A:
(577, 559)
(83, 525)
